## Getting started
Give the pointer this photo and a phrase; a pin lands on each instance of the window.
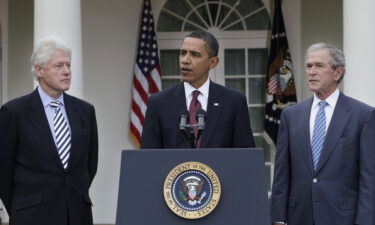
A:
(226, 15)
(241, 27)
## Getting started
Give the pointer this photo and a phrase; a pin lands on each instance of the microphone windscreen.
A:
(201, 113)
(184, 118)
(201, 116)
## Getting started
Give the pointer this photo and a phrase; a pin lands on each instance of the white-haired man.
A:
(48, 146)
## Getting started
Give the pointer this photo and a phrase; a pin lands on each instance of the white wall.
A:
(292, 19)
(3, 65)
(322, 21)
(110, 30)
(4, 48)
(21, 27)
(3, 21)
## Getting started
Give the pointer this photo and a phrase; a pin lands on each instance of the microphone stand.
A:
(187, 129)
(188, 133)
(200, 117)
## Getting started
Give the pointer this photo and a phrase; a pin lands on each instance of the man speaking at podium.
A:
(177, 118)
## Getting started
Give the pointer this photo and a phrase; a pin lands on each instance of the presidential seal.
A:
(192, 190)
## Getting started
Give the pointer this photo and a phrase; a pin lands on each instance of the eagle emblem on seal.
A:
(192, 190)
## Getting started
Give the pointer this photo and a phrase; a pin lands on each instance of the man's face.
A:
(322, 79)
(195, 62)
(55, 76)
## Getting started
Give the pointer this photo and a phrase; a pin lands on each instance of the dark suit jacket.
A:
(227, 122)
(342, 189)
(35, 188)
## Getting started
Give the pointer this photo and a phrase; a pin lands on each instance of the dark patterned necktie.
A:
(62, 134)
(195, 105)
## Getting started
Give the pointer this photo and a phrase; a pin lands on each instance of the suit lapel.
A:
(177, 103)
(338, 122)
(75, 126)
(305, 112)
(40, 122)
(214, 106)
(179, 99)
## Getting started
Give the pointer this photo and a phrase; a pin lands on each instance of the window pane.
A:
(257, 90)
(257, 60)
(213, 11)
(236, 83)
(246, 7)
(259, 21)
(234, 61)
(257, 119)
(179, 7)
(196, 2)
(223, 12)
(230, 2)
(203, 12)
(167, 22)
(237, 26)
(196, 20)
(233, 17)
(165, 83)
(169, 62)
(190, 27)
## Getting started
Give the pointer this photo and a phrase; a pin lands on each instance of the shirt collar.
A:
(331, 100)
(204, 89)
(46, 99)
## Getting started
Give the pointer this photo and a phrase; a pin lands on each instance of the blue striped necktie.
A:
(62, 134)
(319, 133)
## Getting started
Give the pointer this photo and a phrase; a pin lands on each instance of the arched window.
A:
(242, 28)
(226, 15)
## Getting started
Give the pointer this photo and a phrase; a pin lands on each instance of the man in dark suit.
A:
(324, 168)
(49, 146)
(227, 122)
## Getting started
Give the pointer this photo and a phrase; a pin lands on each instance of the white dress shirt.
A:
(50, 111)
(202, 98)
(331, 100)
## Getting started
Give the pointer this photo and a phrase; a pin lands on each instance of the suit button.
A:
(315, 180)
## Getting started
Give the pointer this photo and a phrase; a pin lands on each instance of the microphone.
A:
(184, 117)
(201, 117)
(185, 128)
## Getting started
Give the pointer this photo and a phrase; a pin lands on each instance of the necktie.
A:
(319, 133)
(62, 134)
(195, 105)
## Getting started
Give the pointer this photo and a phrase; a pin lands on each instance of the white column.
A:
(62, 18)
(4, 74)
(4, 21)
(359, 48)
